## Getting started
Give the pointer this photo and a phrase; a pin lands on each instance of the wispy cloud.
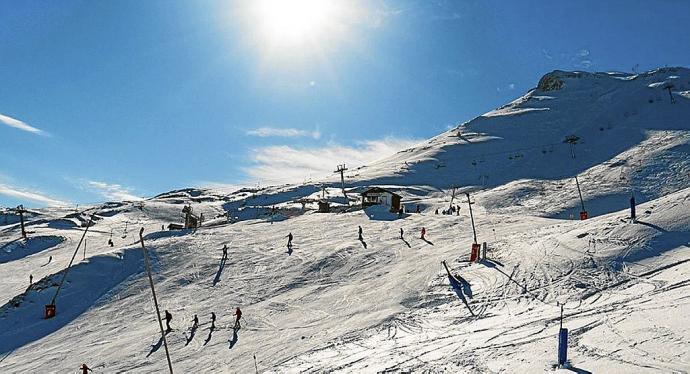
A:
(280, 164)
(114, 192)
(508, 87)
(35, 196)
(579, 58)
(17, 124)
(222, 187)
(265, 132)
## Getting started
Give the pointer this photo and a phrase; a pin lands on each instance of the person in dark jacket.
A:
(289, 243)
(238, 315)
(168, 318)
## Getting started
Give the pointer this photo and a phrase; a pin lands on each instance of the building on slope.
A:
(381, 196)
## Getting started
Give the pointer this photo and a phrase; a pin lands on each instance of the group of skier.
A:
(454, 209)
(360, 236)
(195, 321)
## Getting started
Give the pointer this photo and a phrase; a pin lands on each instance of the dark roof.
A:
(379, 189)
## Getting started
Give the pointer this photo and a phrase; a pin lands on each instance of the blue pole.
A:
(562, 346)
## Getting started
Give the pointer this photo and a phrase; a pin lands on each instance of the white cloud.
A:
(17, 124)
(113, 192)
(265, 132)
(546, 54)
(23, 194)
(280, 164)
(222, 187)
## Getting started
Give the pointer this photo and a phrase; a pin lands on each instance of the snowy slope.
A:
(335, 304)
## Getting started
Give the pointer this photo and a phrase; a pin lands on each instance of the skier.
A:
(417, 210)
(31, 279)
(85, 369)
(289, 244)
(436, 212)
(360, 233)
(213, 320)
(195, 322)
(50, 258)
(225, 251)
(401, 233)
(423, 233)
(238, 313)
(168, 318)
(110, 242)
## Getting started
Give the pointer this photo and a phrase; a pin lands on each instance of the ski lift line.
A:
(155, 299)
(520, 149)
(64, 275)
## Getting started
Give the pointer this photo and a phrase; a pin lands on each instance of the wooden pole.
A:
(582, 202)
(64, 275)
(474, 231)
(155, 300)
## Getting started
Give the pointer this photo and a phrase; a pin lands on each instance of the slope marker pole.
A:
(155, 300)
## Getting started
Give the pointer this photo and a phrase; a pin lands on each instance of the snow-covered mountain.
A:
(337, 304)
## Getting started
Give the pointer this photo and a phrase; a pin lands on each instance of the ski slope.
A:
(337, 304)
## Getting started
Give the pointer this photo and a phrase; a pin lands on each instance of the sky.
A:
(119, 100)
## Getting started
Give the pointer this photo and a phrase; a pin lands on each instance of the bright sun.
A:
(295, 22)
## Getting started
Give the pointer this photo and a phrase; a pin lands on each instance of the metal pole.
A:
(155, 300)
(474, 231)
(452, 197)
(21, 219)
(582, 202)
(64, 275)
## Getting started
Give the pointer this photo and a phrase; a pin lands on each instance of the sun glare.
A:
(294, 22)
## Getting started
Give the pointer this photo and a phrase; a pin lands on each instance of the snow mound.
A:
(21, 248)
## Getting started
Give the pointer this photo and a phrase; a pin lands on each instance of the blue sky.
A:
(109, 100)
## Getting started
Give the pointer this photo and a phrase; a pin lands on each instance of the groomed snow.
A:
(337, 304)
